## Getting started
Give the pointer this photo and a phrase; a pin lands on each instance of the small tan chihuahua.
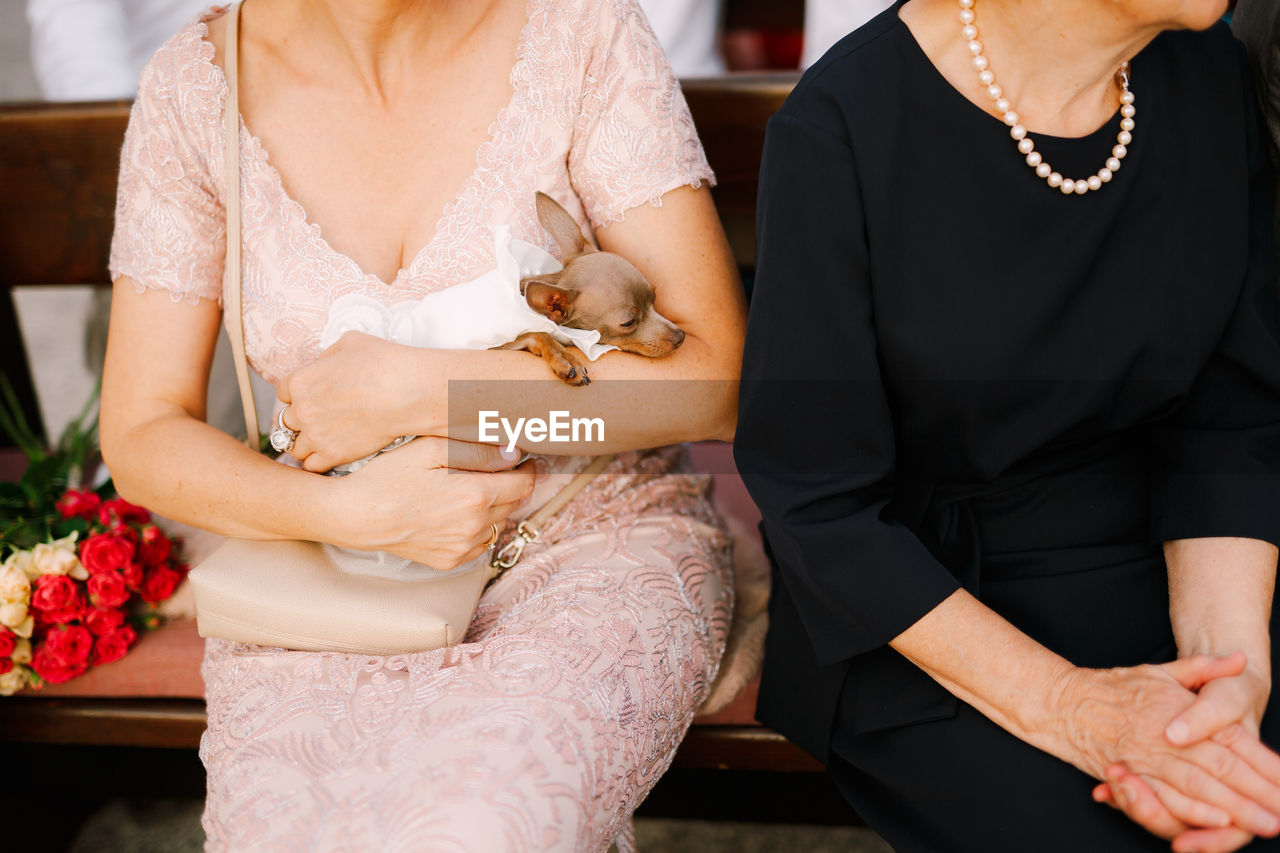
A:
(595, 290)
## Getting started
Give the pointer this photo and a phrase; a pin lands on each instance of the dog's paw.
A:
(574, 375)
(569, 367)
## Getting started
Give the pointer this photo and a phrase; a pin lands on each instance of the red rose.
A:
(100, 621)
(6, 642)
(107, 589)
(6, 666)
(70, 644)
(119, 510)
(113, 646)
(132, 575)
(105, 552)
(78, 503)
(155, 546)
(56, 599)
(160, 584)
(124, 531)
(54, 670)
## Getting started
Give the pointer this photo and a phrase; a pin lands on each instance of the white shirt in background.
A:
(89, 50)
(828, 21)
(689, 32)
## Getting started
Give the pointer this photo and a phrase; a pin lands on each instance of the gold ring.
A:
(493, 536)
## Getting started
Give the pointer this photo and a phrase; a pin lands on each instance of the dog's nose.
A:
(677, 339)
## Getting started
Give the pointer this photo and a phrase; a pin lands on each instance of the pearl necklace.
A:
(1019, 133)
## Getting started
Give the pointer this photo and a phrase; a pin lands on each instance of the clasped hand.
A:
(356, 398)
(1178, 745)
(435, 500)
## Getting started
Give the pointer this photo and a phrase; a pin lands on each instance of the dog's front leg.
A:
(568, 363)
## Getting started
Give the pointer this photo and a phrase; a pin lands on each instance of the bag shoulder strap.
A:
(234, 275)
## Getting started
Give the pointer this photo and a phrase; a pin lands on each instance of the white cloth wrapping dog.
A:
(477, 314)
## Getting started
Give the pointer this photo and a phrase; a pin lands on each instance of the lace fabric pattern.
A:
(585, 662)
(543, 730)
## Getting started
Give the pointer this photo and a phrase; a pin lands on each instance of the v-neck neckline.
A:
(452, 209)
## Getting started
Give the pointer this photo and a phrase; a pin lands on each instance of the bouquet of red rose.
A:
(82, 569)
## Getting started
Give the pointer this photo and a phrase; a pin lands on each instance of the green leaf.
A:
(14, 423)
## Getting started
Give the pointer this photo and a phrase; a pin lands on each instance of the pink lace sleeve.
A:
(170, 229)
(634, 139)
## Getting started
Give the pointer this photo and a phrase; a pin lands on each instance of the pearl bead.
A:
(1044, 170)
(986, 78)
(966, 4)
(1126, 98)
(1055, 180)
(1104, 175)
(1113, 164)
(1011, 118)
(1095, 183)
(1124, 137)
(1018, 132)
(1033, 158)
(1067, 186)
(1082, 187)
(966, 17)
(1002, 105)
(995, 91)
(980, 63)
(1119, 151)
(975, 47)
(1126, 124)
(970, 32)
(1128, 111)
(1025, 145)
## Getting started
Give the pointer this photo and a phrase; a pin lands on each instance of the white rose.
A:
(13, 681)
(13, 615)
(14, 585)
(58, 558)
(21, 651)
(355, 312)
(23, 562)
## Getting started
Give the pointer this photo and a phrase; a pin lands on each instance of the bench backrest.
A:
(58, 166)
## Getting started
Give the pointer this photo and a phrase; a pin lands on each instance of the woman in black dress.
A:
(1011, 411)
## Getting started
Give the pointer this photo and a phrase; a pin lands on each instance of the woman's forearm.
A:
(1220, 592)
(191, 472)
(639, 402)
(980, 657)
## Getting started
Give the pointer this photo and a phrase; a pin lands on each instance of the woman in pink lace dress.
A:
(586, 661)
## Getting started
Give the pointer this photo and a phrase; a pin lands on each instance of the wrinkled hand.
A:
(348, 403)
(1119, 717)
(432, 500)
(1227, 710)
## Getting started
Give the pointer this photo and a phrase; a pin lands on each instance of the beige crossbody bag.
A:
(304, 595)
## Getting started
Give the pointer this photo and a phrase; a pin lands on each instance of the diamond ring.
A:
(493, 536)
(282, 438)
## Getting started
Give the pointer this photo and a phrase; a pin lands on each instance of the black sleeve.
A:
(1218, 471)
(815, 439)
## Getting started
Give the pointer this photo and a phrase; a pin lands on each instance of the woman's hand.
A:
(1120, 716)
(1228, 708)
(433, 501)
(349, 402)
(1240, 697)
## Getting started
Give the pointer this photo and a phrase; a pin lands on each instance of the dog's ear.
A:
(548, 298)
(561, 226)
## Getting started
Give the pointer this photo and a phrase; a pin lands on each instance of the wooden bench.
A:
(58, 166)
